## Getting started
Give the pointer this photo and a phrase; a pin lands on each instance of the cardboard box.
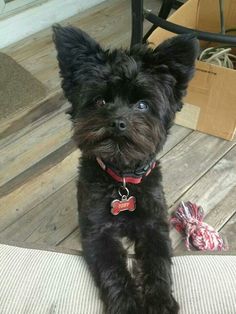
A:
(210, 104)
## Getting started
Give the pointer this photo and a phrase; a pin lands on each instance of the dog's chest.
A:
(127, 244)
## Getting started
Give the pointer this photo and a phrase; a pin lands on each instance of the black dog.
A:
(123, 104)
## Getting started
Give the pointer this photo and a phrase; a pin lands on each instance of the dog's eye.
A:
(99, 102)
(142, 105)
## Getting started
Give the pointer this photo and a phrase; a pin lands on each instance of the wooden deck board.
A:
(187, 162)
(38, 168)
(48, 222)
(72, 241)
(177, 134)
(21, 200)
(22, 151)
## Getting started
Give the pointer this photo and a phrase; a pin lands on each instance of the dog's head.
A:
(123, 102)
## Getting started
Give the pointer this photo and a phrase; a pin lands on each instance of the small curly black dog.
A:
(123, 105)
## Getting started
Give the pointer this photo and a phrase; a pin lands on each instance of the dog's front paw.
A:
(124, 304)
(160, 305)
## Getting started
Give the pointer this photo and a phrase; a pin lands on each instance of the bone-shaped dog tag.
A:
(118, 206)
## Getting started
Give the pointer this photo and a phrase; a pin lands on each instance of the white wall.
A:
(39, 17)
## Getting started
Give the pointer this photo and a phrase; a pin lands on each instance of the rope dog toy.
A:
(188, 220)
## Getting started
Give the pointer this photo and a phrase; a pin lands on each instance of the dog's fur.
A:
(122, 78)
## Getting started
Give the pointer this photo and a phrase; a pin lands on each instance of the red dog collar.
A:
(134, 178)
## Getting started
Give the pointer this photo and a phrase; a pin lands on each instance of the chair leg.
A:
(177, 4)
(163, 13)
(166, 7)
(137, 22)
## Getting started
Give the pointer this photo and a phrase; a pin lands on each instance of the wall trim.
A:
(38, 17)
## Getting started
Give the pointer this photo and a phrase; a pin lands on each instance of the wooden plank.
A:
(188, 161)
(215, 192)
(49, 221)
(21, 119)
(19, 152)
(33, 192)
(37, 169)
(229, 231)
(177, 134)
(72, 241)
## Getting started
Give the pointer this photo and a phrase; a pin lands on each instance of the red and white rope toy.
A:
(188, 220)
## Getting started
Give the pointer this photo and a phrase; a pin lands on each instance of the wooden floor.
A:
(39, 161)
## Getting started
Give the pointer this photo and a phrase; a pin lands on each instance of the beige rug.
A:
(18, 88)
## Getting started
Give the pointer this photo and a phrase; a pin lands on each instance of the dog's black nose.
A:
(119, 124)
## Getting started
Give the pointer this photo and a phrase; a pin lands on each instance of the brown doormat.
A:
(19, 89)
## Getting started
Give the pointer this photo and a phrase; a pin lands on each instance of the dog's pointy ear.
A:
(79, 57)
(178, 54)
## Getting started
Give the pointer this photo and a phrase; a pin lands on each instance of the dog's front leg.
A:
(107, 261)
(153, 253)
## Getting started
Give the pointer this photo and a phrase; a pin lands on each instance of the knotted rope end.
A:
(188, 220)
